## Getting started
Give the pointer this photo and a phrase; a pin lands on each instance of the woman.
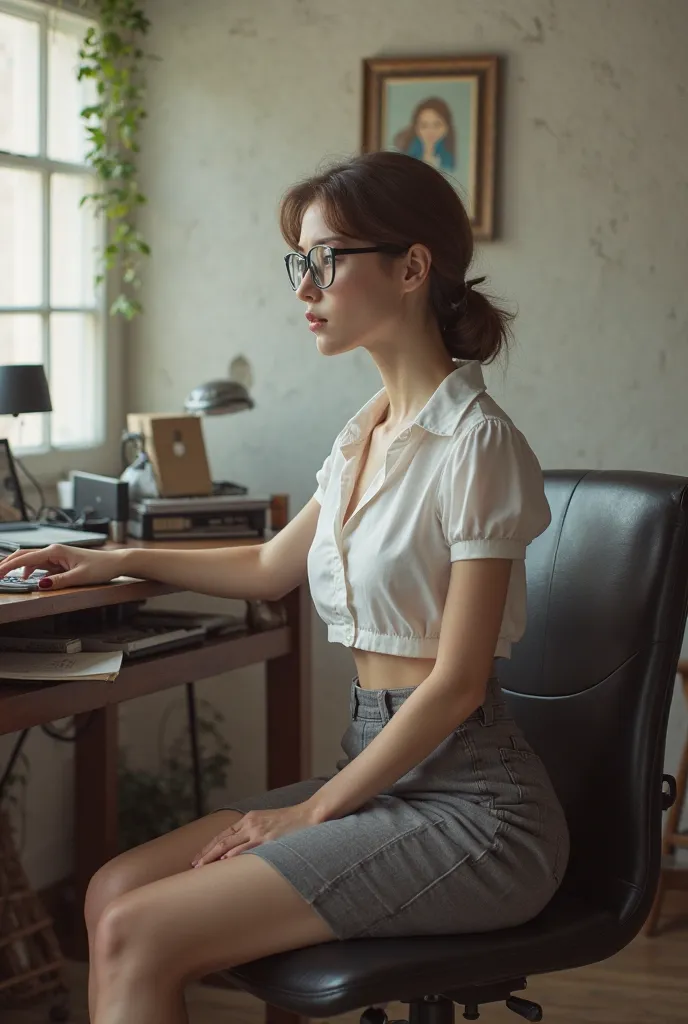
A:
(440, 818)
(430, 136)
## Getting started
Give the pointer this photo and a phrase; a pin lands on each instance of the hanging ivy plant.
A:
(112, 57)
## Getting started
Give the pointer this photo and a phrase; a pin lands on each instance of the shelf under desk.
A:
(23, 705)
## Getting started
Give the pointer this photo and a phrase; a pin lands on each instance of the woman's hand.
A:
(66, 566)
(253, 829)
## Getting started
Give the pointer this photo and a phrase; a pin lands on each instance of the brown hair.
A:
(390, 198)
(404, 138)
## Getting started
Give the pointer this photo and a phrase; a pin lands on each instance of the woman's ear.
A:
(417, 264)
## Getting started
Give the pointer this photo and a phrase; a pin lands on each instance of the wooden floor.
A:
(647, 983)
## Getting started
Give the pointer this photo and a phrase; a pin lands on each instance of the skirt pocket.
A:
(525, 788)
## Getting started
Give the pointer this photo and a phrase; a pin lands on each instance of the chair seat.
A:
(336, 977)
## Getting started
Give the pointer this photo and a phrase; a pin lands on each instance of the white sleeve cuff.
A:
(496, 548)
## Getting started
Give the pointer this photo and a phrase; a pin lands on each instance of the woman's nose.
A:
(307, 290)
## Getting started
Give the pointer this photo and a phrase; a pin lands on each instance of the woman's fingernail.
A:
(45, 583)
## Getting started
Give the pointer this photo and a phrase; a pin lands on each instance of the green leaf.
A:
(128, 308)
(111, 57)
(122, 231)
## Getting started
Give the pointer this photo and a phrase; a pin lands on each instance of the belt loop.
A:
(353, 699)
(487, 711)
(384, 706)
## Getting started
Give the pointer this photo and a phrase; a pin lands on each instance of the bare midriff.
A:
(390, 671)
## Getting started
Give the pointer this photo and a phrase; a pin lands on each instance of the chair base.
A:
(440, 1009)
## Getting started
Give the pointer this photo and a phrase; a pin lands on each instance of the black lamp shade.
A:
(24, 388)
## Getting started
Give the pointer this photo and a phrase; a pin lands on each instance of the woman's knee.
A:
(160, 858)
(115, 929)
(114, 879)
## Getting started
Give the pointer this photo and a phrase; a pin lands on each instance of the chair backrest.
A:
(591, 681)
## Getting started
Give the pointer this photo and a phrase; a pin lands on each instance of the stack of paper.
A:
(57, 668)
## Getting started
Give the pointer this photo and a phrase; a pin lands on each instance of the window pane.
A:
(73, 237)
(20, 342)
(75, 384)
(66, 96)
(19, 49)
(21, 260)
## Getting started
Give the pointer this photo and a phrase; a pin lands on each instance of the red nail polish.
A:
(45, 583)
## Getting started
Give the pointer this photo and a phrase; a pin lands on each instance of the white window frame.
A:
(49, 462)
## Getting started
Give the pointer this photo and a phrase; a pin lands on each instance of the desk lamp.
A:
(24, 389)
(215, 398)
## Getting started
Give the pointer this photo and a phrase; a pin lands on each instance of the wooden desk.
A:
(286, 652)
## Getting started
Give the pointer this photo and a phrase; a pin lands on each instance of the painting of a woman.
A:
(430, 136)
(442, 112)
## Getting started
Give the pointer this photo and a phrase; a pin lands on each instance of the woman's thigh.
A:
(188, 925)
(160, 858)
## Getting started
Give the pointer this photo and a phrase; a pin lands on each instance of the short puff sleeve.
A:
(491, 496)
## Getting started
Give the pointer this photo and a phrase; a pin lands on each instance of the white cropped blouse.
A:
(460, 482)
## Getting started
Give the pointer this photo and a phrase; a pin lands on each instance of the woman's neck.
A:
(411, 374)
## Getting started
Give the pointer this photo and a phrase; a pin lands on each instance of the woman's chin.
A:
(329, 346)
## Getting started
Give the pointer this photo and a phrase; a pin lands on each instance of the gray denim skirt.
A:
(472, 839)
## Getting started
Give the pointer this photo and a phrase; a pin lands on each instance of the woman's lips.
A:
(314, 322)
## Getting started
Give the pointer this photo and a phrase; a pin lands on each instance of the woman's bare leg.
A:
(160, 858)
(155, 939)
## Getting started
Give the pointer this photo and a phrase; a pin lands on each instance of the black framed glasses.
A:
(321, 261)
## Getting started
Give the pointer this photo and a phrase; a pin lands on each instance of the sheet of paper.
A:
(57, 666)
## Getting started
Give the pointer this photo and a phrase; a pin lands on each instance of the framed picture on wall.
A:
(442, 110)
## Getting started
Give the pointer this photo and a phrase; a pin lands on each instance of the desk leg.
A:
(289, 699)
(289, 721)
(95, 806)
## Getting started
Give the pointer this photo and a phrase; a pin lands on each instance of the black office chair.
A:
(591, 684)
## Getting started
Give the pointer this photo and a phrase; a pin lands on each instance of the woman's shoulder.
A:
(488, 429)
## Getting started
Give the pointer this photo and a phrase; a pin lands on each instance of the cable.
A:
(52, 514)
(13, 760)
(62, 737)
(32, 478)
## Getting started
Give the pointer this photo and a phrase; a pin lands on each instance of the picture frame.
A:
(442, 110)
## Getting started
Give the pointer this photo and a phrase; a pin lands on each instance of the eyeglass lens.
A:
(322, 266)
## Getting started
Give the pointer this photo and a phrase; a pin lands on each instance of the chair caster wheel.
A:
(524, 1008)
(373, 1015)
(471, 1012)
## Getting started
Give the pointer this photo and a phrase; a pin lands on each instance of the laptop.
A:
(17, 530)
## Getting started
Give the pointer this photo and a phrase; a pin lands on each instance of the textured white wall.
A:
(252, 94)
(594, 195)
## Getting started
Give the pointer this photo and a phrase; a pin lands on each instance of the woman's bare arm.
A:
(255, 571)
(267, 571)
